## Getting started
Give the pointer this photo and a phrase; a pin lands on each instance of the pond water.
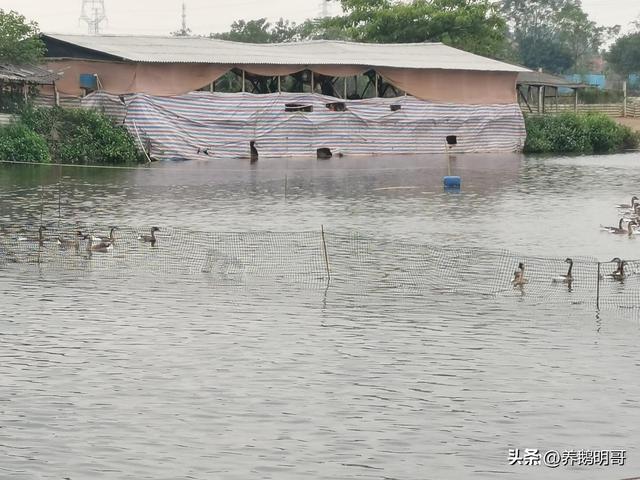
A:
(177, 376)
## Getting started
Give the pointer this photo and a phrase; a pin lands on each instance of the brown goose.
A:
(518, 276)
(567, 278)
(98, 247)
(149, 238)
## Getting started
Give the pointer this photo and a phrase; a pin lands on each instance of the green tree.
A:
(472, 25)
(624, 55)
(260, 31)
(19, 39)
(556, 35)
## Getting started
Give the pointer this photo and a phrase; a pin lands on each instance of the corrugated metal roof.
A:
(27, 73)
(546, 80)
(153, 49)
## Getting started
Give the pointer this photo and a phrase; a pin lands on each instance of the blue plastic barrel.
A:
(452, 181)
(89, 81)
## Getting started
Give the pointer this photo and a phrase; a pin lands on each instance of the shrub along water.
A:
(75, 136)
(19, 143)
(578, 133)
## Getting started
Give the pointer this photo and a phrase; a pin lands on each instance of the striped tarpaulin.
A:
(203, 125)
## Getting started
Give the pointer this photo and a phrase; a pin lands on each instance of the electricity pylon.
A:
(93, 14)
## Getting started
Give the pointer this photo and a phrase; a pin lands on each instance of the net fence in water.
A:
(318, 258)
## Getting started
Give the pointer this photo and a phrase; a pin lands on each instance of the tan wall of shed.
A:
(450, 86)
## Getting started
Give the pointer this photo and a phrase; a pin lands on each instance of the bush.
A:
(83, 136)
(577, 133)
(18, 143)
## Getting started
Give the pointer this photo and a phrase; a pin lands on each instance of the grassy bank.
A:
(578, 133)
(74, 136)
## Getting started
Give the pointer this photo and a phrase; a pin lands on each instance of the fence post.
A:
(624, 98)
(598, 289)
(326, 255)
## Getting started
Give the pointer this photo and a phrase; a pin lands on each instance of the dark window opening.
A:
(337, 106)
(254, 151)
(297, 107)
(324, 153)
(452, 140)
(395, 108)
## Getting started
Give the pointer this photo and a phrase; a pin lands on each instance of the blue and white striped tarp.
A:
(202, 125)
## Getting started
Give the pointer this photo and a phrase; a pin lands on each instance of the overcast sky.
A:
(160, 17)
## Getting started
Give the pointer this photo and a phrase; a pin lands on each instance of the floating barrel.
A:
(452, 181)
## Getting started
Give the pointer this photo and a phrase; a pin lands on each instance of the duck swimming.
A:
(41, 235)
(634, 201)
(74, 242)
(518, 276)
(98, 247)
(619, 230)
(110, 239)
(618, 273)
(149, 238)
(567, 278)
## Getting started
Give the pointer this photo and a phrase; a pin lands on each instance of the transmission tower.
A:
(324, 8)
(184, 31)
(93, 14)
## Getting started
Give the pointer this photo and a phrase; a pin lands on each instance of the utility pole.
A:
(93, 14)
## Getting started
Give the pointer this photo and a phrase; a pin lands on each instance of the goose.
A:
(110, 239)
(617, 230)
(40, 238)
(567, 278)
(634, 200)
(72, 242)
(98, 247)
(149, 238)
(41, 235)
(518, 276)
(618, 273)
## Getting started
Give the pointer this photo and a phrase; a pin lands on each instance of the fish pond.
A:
(158, 373)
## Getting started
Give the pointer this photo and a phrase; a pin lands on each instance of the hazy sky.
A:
(160, 17)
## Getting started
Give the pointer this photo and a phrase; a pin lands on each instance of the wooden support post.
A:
(243, 79)
(539, 99)
(56, 95)
(624, 98)
(556, 89)
(598, 289)
(376, 84)
(279, 85)
(326, 254)
(575, 100)
(313, 87)
(345, 88)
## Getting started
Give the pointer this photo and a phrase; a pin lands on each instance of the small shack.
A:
(534, 88)
(19, 82)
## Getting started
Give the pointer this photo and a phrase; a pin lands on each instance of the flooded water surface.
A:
(165, 375)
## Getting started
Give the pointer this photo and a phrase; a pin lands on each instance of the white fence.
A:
(611, 109)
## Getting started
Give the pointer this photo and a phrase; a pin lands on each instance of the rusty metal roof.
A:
(154, 49)
(27, 74)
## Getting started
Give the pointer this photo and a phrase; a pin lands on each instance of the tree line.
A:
(555, 35)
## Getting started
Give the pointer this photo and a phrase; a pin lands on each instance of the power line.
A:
(93, 14)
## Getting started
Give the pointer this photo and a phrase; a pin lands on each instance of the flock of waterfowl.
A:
(630, 214)
(92, 243)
